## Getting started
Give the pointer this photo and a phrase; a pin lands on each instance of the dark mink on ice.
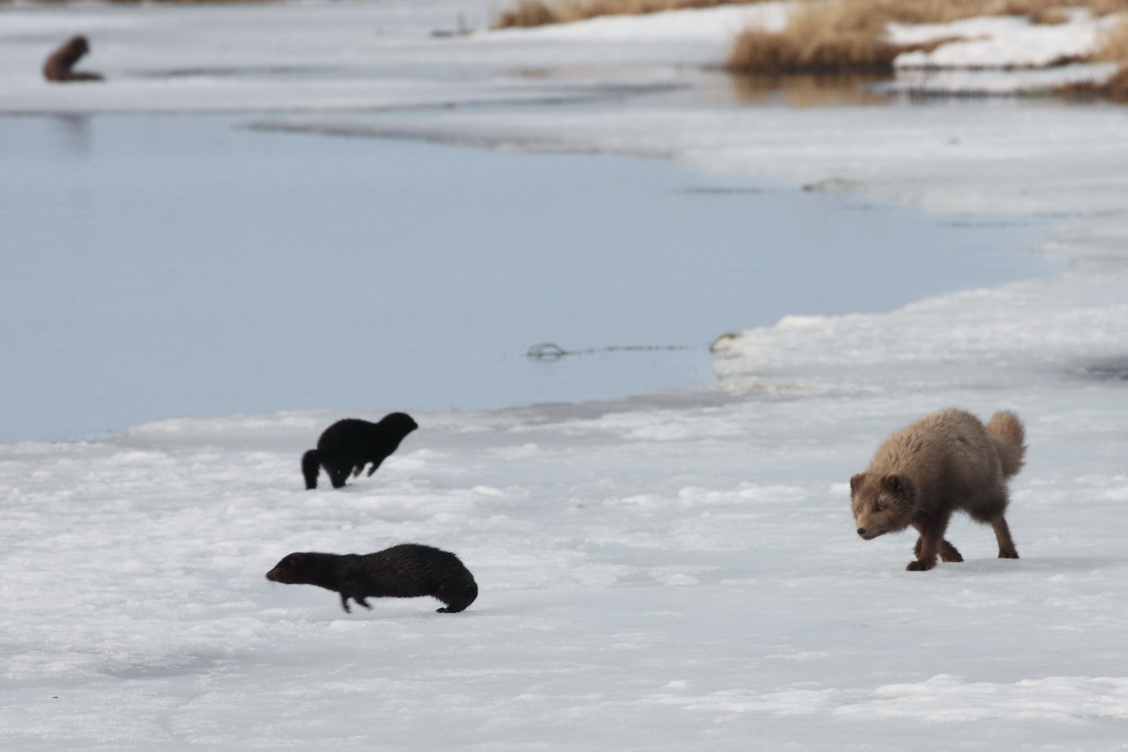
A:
(348, 445)
(58, 66)
(409, 570)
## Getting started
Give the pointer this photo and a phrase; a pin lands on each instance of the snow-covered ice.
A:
(1002, 42)
(661, 572)
(676, 570)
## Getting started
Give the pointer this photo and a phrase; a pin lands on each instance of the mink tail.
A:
(311, 465)
(1006, 430)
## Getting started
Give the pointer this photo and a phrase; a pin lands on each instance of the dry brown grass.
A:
(1114, 89)
(818, 38)
(756, 51)
(1113, 49)
(821, 39)
(1113, 44)
(527, 13)
(850, 35)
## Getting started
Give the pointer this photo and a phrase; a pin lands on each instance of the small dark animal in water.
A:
(59, 64)
(348, 445)
(409, 570)
(945, 461)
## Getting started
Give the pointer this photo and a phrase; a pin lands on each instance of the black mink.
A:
(59, 66)
(409, 570)
(348, 445)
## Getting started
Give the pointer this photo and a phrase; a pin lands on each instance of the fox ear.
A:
(856, 482)
(892, 483)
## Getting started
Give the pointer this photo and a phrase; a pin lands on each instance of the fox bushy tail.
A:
(1010, 437)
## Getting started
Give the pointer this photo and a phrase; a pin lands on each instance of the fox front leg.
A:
(931, 543)
(948, 552)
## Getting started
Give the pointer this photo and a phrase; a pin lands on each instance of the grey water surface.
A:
(171, 266)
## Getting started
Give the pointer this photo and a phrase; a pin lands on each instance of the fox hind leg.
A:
(1003, 536)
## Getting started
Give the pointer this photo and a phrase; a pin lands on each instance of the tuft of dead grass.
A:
(1113, 48)
(756, 51)
(1116, 88)
(526, 13)
(1113, 44)
(818, 38)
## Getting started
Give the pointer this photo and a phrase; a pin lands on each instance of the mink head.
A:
(298, 569)
(881, 504)
(400, 423)
(75, 48)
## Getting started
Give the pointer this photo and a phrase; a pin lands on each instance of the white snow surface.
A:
(671, 571)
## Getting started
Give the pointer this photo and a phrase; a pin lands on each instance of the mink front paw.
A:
(920, 566)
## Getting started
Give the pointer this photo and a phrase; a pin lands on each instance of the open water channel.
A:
(170, 266)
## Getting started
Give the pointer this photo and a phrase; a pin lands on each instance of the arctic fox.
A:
(945, 461)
